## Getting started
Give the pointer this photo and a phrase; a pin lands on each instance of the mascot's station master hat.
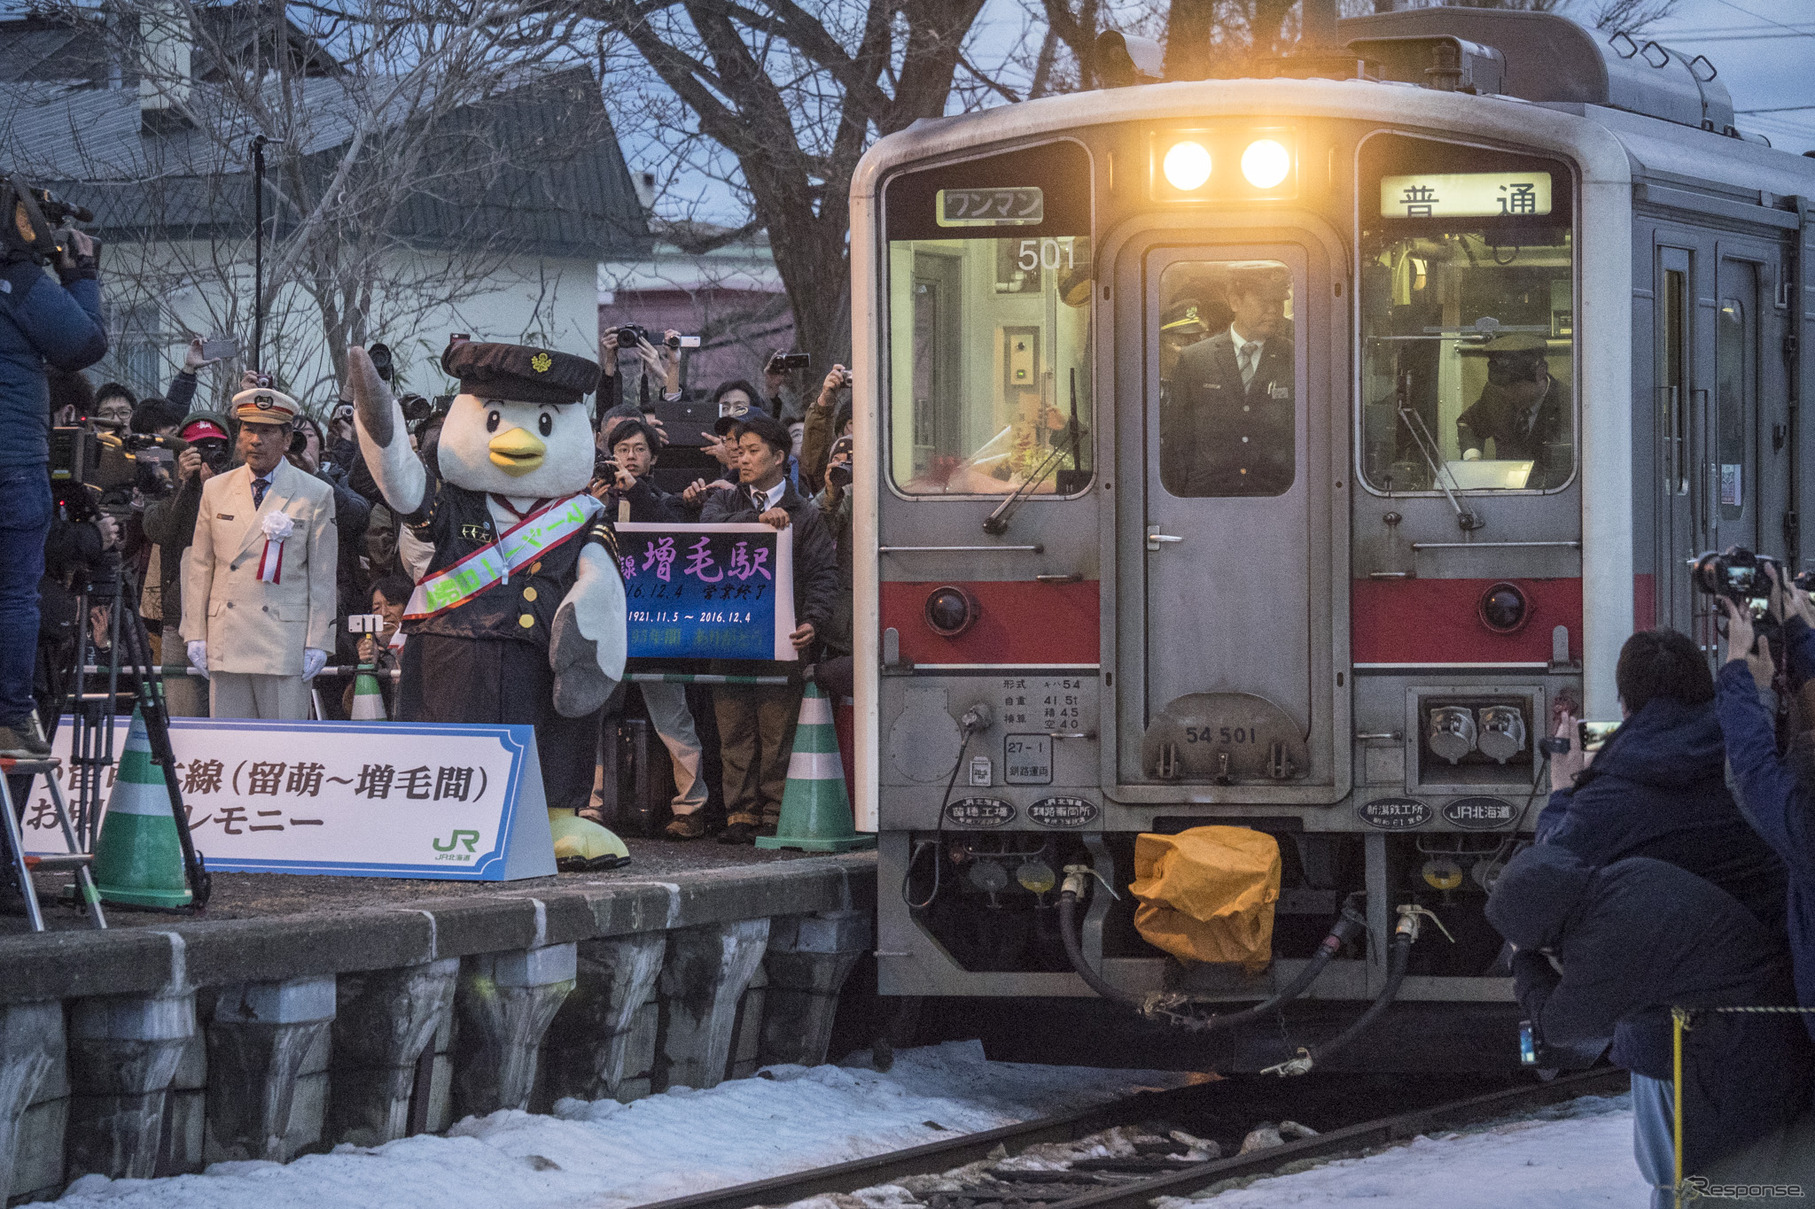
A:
(262, 405)
(518, 374)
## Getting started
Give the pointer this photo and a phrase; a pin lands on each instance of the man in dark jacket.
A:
(41, 321)
(756, 723)
(1632, 941)
(1774, 791)
(1658, 788)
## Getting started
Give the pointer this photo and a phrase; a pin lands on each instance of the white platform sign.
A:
(362, 799)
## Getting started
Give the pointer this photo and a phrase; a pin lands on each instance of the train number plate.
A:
(1062, 812)
(979, 812)
(1027, 759)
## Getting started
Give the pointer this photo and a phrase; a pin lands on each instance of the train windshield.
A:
(1467, 319)
(990, 284)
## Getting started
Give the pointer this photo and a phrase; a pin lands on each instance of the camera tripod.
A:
(92, 711)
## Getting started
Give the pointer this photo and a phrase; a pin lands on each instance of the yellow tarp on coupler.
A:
(1207, 894)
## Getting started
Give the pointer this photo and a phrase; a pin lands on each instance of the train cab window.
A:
(990, 304)
(1228, 357)
(1467, 319)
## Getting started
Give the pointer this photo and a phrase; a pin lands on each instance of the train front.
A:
(1225, 466)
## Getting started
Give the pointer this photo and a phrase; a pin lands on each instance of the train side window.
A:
(1737, 381)
(990, 297)
(1467, 318)
(1228, 400)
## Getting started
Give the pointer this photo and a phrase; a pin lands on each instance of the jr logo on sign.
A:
(454, 841)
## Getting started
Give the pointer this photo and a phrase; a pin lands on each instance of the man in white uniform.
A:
(258, 590)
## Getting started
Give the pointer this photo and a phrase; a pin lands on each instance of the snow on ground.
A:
(606, 1155)
(1569, 1156)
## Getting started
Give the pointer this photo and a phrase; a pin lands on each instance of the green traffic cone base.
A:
(815, 811)
(139, 859)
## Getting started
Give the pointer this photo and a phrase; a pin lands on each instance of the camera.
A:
(38, 218)
(683, 342)
(1739, 575)
(380, 355)
(839, 473)
(782, 363)
(629, 334)
(415, 408)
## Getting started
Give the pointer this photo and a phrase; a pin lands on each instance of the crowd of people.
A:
(1674, 871)
(249, 608)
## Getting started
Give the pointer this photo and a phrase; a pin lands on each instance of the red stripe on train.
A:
(1435, 621)
(1018, 621)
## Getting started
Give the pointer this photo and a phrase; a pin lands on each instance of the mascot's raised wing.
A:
(520, 617)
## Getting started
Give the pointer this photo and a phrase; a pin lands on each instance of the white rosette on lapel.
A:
(277, 527)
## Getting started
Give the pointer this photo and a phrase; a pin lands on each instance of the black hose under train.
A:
(1348, 924)
(1398, 957)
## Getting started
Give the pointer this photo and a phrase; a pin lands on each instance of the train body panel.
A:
(1343, 614)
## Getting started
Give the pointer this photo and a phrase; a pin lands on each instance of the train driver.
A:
(1235, 403)
(1522, 410)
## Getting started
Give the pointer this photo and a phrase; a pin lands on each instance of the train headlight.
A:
(950, 611)
(1187, 165)
(1504, 609)
(1265, 163)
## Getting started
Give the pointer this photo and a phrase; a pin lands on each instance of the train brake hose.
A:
(1398, 957)
(1168, 1005)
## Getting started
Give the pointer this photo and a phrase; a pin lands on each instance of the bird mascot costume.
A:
(520, 615)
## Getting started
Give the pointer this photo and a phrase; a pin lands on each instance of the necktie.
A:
(1250, 357)
(259, 487)
(760, 498)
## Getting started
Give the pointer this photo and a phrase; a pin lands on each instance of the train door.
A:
(1713, 442)
(1234, 696)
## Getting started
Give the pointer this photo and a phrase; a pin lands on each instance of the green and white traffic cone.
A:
(368, 701)
(139, 859)
(815, 811)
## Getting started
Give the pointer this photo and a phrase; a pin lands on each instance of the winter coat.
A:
(1635, 939)
(815, 558)
(649, 504)
(1773, 797)
(40, 321)
(1659, 789)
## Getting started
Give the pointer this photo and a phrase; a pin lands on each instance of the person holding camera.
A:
(663, 364)
(1613, 950)
(827, 420)
(42, 322)
(259, 590)
(1775, 789)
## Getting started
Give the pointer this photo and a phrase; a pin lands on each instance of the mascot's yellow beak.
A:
(517, 451)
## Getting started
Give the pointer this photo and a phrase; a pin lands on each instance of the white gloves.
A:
(313, 661)
(198, 657)
(1471, 455)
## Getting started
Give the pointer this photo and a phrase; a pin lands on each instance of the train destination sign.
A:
(1465, 195)
(1012, 206)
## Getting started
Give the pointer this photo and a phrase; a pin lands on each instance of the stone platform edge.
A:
(158, 956)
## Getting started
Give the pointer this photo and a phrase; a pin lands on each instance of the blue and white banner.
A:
(360, 799)
(708, 591)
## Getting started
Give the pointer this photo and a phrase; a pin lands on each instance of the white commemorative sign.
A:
(362, 799)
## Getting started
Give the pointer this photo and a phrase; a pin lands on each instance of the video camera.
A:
(39, 220)
(107, 461)
(630, 333)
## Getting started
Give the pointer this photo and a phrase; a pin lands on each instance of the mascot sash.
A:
(523, 543)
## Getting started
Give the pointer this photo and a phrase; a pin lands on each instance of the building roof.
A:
(509, 171)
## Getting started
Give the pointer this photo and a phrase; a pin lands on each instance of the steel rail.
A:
(936, 1157)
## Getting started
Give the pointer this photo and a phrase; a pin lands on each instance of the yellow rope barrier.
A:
(1680, 1018)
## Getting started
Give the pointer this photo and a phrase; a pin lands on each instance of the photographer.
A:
(1774, 790)
(41, 321)
(664, 363)
(836, 673)
(827, 420)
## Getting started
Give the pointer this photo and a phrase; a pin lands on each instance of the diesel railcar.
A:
(1122, 575)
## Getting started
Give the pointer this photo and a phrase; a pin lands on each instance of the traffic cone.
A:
(815, 813)
(368, 701)
(139, 859)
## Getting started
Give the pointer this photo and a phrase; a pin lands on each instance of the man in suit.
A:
(1231, 422)
(1522, 410)
(259, 587)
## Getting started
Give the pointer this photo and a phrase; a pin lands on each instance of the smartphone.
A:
(782, 363)
(1594, 735)
(365, 623)
(220, 348)
(1528, 1045)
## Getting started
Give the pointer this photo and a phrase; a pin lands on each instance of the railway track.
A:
(1153, 1144)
